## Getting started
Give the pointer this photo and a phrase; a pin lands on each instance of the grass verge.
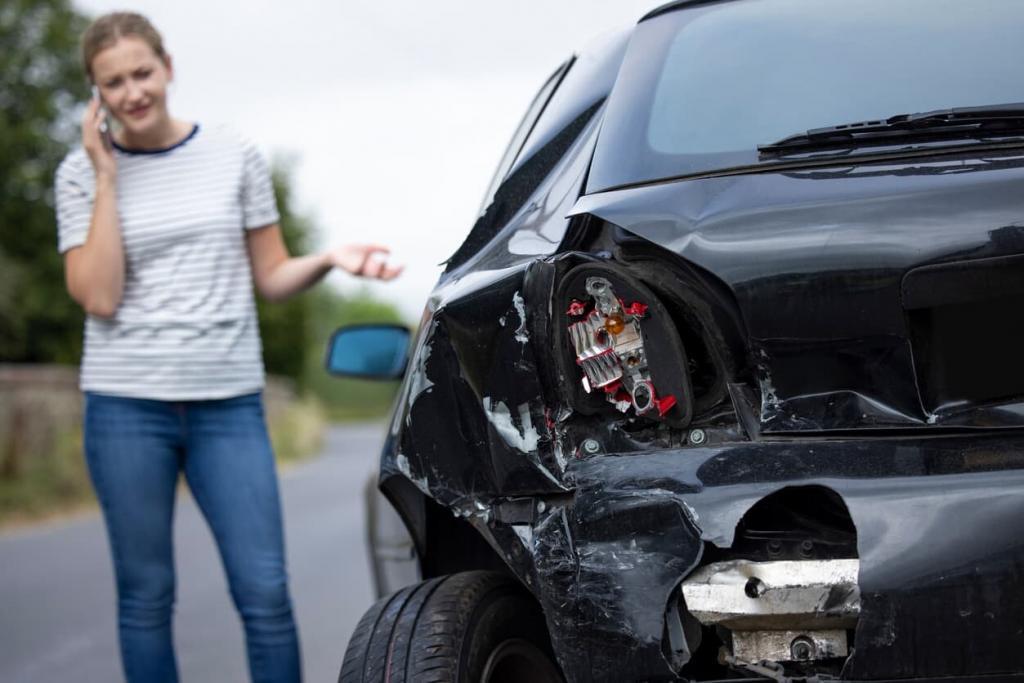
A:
(56, 483)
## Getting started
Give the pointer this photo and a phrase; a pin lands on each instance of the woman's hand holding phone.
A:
(96, 138)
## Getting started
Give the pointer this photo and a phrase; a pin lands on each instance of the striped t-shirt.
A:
(186, 327)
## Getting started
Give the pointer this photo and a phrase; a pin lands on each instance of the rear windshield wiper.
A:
(940, 124)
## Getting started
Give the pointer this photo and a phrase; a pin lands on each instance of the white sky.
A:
(396, 112)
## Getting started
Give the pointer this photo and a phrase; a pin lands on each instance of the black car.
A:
(727, 380)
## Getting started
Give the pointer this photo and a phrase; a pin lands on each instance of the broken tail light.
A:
(624, 348)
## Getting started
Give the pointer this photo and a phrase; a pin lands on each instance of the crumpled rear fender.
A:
(939, 528)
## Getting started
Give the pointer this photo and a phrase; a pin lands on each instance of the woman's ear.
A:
(170, 67)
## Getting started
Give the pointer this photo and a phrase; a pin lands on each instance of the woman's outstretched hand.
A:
(364, 260)
(278, 275)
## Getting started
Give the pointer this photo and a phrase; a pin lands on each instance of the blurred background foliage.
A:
(42, 89)
(40, 83)
(295, 332)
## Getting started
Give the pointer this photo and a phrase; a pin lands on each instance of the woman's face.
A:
(132, 81)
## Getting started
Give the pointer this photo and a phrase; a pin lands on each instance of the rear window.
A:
(702, 86)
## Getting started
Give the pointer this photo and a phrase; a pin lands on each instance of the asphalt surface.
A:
(57, 618)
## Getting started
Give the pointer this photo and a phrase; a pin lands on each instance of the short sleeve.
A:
(259, 208)
(72, 190)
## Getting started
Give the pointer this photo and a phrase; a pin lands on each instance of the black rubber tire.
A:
(446, 630)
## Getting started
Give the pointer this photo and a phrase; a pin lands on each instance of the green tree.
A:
(346, 398)
(284, 325)
(295, 332)
(41, 81)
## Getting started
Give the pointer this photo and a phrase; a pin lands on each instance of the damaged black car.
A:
(727, 380)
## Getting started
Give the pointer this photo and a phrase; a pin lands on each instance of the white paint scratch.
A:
(525, 534)
(403, 467)
(419, 382)
(769, 398)
(524, 439)
(517, 300)
(563, 462)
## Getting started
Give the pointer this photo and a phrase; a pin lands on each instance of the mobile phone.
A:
(105, 135)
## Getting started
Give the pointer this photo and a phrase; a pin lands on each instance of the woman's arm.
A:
(94, 272)
(278, 275)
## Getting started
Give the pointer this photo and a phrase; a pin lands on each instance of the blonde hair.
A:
(107, 29)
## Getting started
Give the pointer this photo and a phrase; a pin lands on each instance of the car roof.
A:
(676, 4)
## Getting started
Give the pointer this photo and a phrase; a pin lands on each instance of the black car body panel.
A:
(853, 335)
(834, 302)
(938, 536)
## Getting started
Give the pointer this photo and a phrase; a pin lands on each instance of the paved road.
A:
(57, 618)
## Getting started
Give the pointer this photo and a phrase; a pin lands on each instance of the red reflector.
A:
(664, 404)
(636, 308)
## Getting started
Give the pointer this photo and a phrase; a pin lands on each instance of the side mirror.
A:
(369, 351)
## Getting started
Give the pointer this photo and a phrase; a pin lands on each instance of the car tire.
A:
(472, 627)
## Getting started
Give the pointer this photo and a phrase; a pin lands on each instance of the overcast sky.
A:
(395, 112)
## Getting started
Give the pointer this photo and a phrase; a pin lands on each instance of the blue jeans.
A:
(135, 449)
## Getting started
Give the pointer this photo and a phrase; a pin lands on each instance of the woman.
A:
(164, 230)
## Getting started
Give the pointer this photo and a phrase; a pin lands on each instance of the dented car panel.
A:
(939, 542)
(835, 484)
(937, 516)
(916, 507)
(824, 265)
